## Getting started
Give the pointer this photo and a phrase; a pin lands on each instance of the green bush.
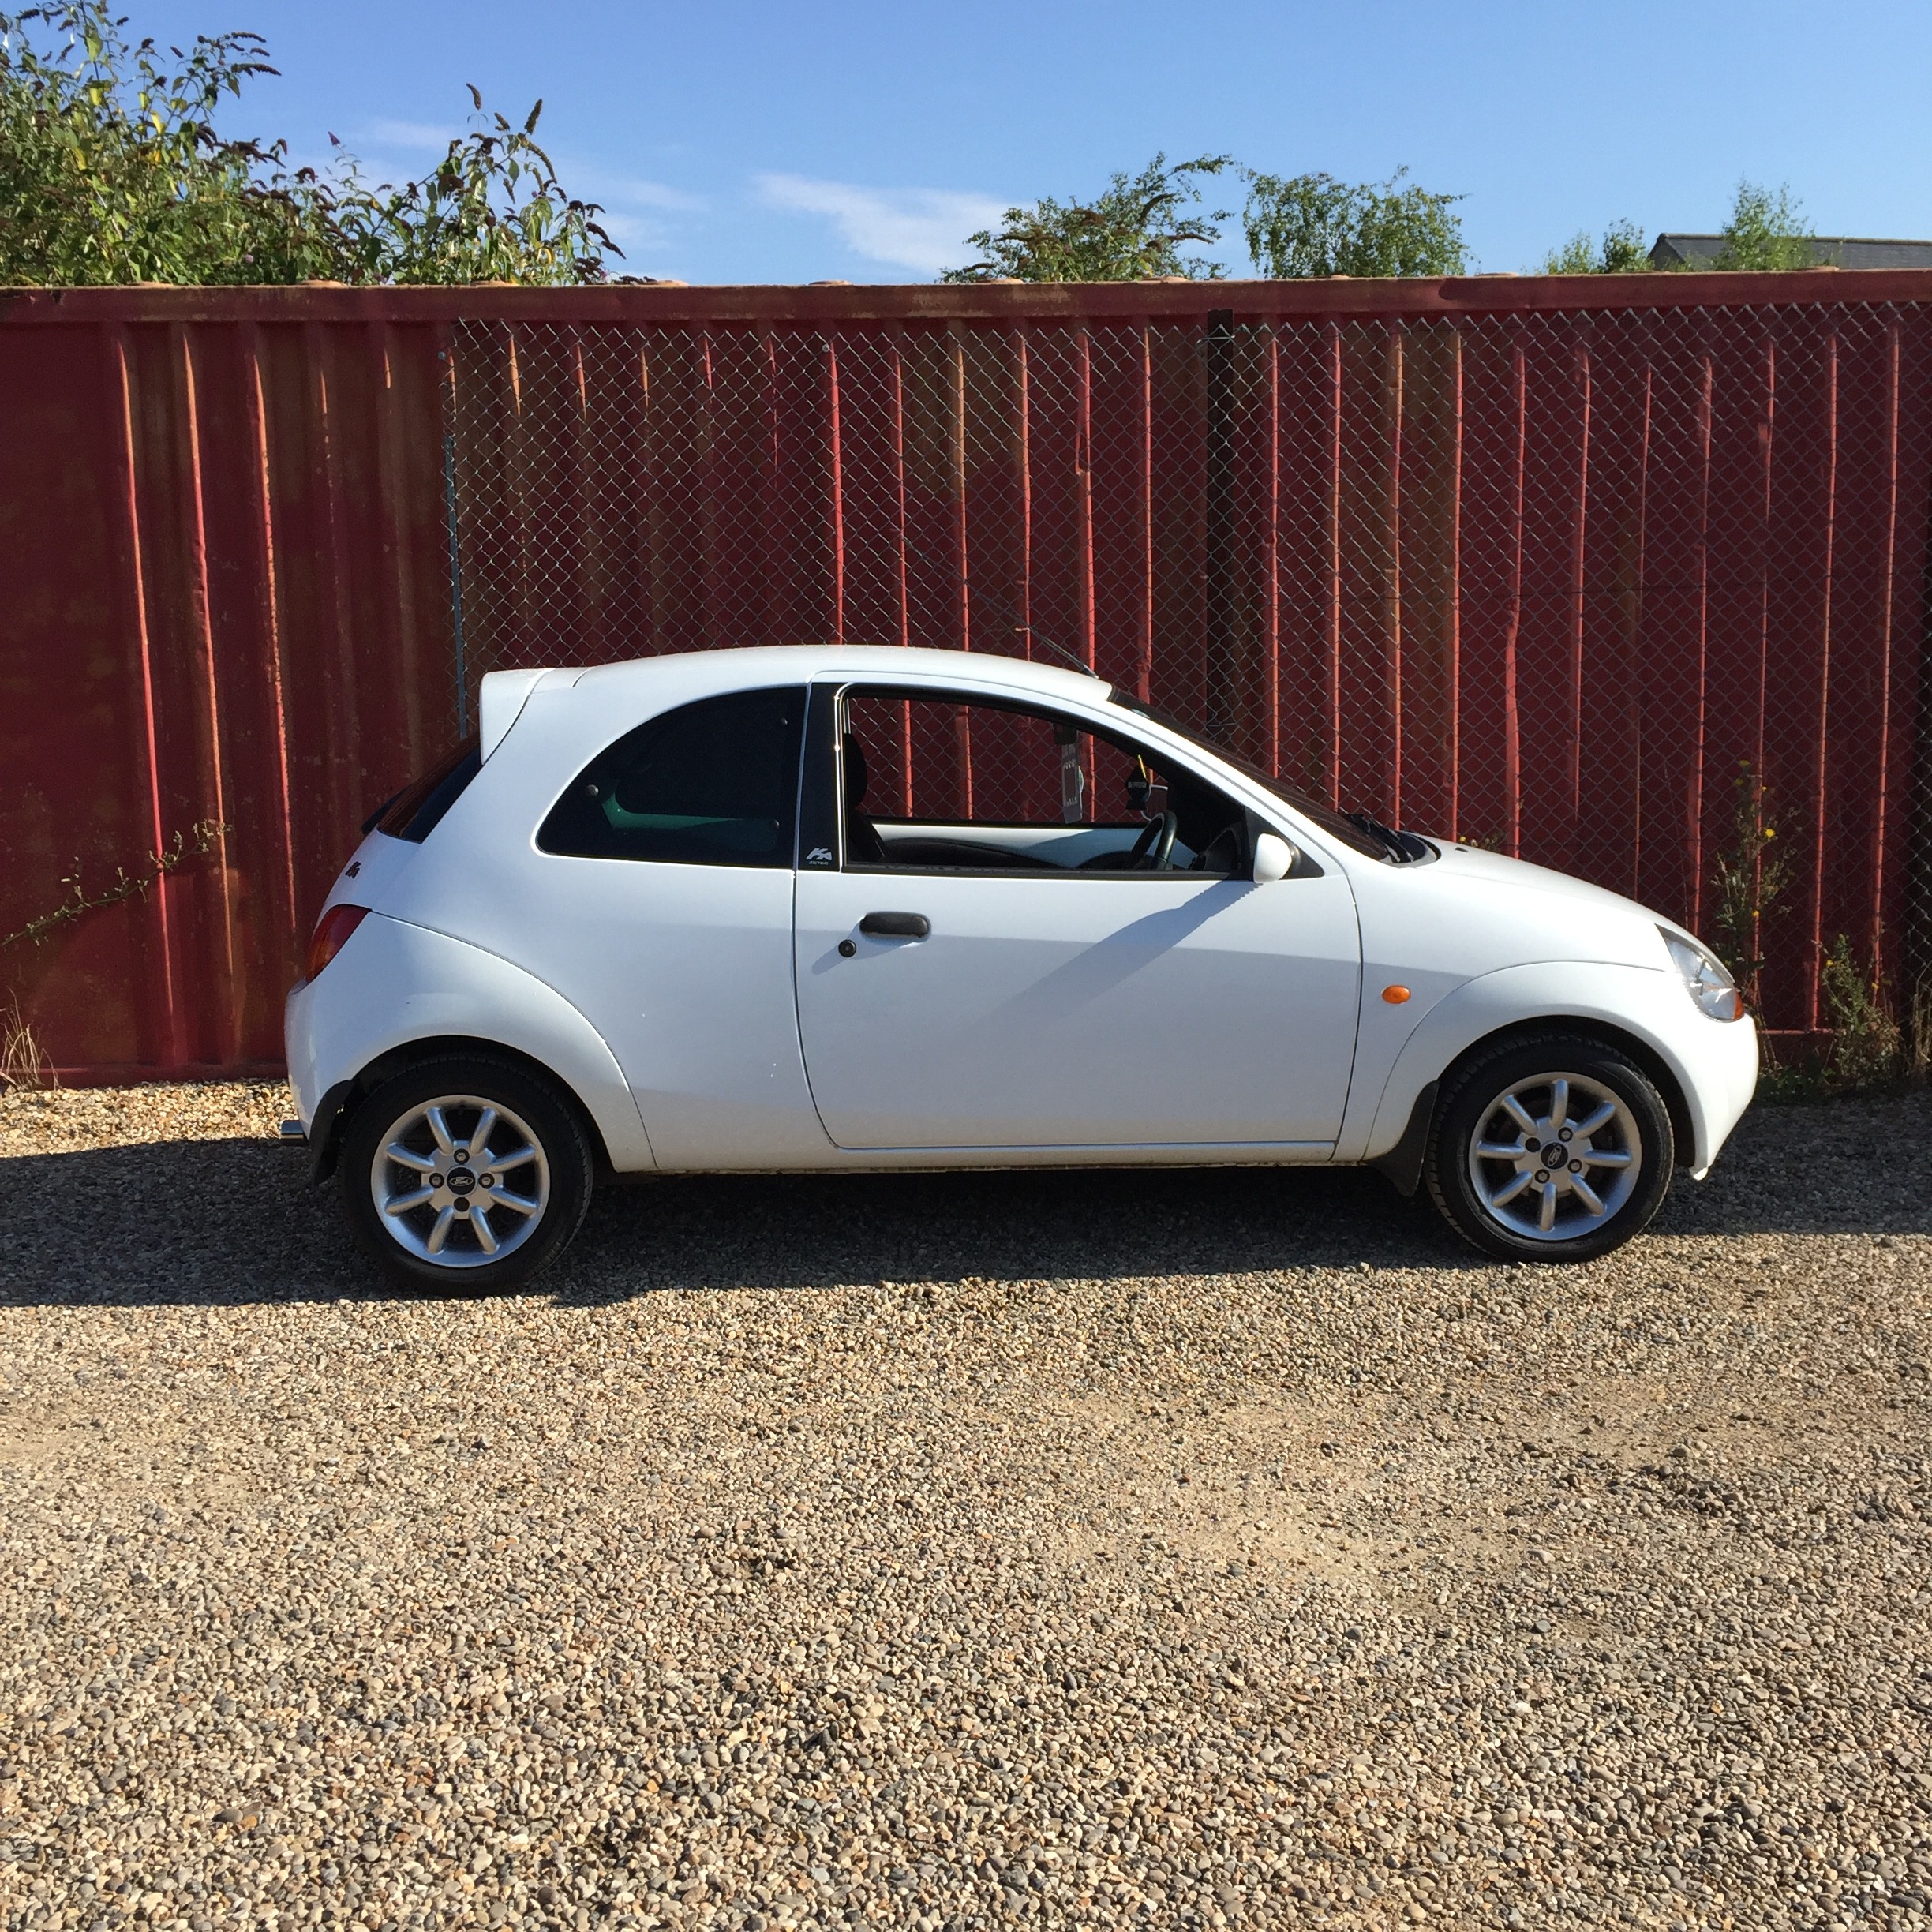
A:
(1620, 252)
(1135, 230)
(112, 171)
(1314, 225)
(1766, 232)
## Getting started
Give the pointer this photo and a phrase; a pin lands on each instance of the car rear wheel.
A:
(1550, 1147)
(465, 1171)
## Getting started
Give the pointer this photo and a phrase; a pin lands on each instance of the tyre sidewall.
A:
(1523, 1058)
(535, 1100)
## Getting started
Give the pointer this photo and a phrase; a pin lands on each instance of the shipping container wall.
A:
(1617, 576)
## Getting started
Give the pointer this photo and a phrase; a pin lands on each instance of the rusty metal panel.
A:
(223, 573)
(1550, 563)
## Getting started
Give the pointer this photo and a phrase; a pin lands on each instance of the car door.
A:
(984, 960)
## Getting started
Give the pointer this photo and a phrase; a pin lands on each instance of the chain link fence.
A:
(1637, 592)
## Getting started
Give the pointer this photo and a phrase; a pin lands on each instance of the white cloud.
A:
(921, 228)
(411, 134)
(646, 194)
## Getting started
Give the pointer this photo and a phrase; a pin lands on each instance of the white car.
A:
(864, 907)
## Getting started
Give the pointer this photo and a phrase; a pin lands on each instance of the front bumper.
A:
(1721, 1058)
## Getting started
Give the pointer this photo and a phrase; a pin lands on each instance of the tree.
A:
(1314, 225)
(112, 171)
(490, 210)
(1766, 232)
(1133, 231)
(1621, 252)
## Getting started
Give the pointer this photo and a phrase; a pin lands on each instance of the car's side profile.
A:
(847, 907)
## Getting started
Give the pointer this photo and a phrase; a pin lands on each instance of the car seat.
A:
(864, 846)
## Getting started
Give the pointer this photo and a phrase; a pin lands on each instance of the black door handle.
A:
(896, 925)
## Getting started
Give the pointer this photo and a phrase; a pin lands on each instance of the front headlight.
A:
(1706, 978)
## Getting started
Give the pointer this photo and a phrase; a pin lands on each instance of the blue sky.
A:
(741, 140)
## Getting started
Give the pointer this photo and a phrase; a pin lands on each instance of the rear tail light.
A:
(331, 934)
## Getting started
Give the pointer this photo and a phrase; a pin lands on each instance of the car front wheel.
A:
(1550, 1147)
(465, 1171)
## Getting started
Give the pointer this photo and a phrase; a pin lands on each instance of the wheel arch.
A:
(340, 1103)
(1402, 1163)
(1622, 1008)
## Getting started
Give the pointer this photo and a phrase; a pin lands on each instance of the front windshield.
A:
(1331, 821)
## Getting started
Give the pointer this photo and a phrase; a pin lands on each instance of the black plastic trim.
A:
(1402, 1163)
(325, 1130)
(818, 847)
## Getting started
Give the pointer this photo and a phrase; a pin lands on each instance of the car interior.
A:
(943, 785)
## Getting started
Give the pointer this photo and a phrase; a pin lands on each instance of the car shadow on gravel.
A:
(235, 1222)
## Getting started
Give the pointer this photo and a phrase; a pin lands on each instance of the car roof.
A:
(745, 669)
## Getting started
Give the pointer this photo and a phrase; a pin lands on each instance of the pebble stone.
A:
(1210, 1549)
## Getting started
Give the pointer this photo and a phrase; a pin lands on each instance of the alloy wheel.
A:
(1555, 1157)
(459, 1181)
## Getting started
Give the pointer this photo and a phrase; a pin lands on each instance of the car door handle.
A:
(896, 925)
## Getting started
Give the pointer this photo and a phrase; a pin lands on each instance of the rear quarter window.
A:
(713, 783)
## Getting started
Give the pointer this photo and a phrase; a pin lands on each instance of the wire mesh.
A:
(1622, 591)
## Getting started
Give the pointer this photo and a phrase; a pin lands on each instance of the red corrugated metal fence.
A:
(1551, 564)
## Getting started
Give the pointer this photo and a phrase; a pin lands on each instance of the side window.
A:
(713, 783)
(940, 784)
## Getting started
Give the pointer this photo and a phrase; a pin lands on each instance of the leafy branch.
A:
(113, 170)
(200, 838)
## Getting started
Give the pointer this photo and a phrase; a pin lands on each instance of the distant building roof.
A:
(1701, 251)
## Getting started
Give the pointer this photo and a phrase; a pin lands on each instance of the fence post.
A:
(455, 570)
(1915, 992)
(1218, 549)
(448, 357)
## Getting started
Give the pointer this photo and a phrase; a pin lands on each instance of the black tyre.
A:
(465, 1172)
(1550, 1147)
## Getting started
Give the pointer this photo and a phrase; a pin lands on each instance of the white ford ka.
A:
(848, 908)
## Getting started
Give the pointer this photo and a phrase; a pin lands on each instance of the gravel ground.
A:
(1229, 1549)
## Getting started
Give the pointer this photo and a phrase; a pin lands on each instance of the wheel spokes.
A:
(1542, 1197)
(423, 1199)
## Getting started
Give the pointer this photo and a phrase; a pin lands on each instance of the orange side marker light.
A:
(1395, 995)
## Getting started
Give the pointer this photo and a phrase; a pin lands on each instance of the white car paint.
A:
(1243, 1022)
(1102, 1010)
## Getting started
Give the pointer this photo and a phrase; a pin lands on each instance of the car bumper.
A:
(1721, 1062)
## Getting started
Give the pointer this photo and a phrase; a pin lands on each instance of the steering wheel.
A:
(1153, 851)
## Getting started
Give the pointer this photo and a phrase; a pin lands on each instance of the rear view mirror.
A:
(1273, 857)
